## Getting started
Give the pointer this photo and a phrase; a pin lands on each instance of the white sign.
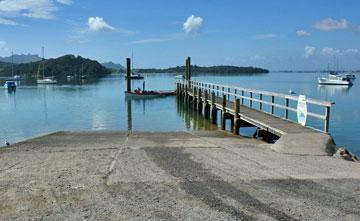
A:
(302, 110)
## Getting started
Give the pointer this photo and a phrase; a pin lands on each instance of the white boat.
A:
(16, 77)
(44, 80)
(180, 77)
(48, 80)
(335, 79)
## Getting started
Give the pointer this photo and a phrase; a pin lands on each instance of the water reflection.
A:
(193, 120)
(129, 115)
(333, 90)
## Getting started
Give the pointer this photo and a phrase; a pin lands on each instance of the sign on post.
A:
(302, 110)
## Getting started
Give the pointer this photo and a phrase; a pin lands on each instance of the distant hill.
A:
(58, 67)
(221, 69)
(113, 66)
(21, 58)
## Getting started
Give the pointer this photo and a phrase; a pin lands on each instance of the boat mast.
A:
(12, 64)
(43, 58)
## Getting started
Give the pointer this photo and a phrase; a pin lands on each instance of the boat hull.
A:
(334, 80)
(152, 94)
(328, 82)
(46, 81)
(135, 78)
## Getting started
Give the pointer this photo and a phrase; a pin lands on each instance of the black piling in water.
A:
(128, 74)
(188, 71)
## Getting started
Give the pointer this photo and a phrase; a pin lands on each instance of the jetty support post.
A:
(194, 99)
(223, 113)
(199, 101)
(128, 74)
(213, 109)
(206, 105)
(188, 71)
(327, 119)
(236, 128)
(178, 89)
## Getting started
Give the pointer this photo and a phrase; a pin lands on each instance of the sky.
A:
(277, 35)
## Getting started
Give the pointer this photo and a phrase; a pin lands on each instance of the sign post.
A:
(302, 110)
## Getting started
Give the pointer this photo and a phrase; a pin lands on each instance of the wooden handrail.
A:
(230, 91)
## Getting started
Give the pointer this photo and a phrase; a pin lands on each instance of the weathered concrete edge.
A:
(316, 144)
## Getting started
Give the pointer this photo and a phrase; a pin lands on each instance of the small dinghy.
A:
(135, 76)
(10, 85)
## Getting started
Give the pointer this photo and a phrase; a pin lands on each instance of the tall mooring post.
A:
(188, 71)
(128, 74)
(213, 108)
(236, 128)
(223, 113)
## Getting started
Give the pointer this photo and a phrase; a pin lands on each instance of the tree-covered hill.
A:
(225, 69)
(58, 67)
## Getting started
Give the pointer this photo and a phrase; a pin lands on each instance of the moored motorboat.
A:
(47, 80)
(10, 85)
(334, 79)
(180, 77)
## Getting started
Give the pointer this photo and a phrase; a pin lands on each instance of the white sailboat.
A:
(44, 80)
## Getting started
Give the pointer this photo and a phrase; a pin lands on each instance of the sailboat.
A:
(11, 84)
(44, 80)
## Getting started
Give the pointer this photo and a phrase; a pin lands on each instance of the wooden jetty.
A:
(246, 107)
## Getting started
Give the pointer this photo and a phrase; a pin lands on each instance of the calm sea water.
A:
(35, 110)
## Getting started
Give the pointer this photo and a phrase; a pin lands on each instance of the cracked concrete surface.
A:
(171, 176)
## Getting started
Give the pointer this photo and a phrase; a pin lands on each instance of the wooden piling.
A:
(188, 71)
(213, 109)
(128, 74)
(236, 128)
(327, 119)
(223, 113)
(199, 101)
(206, 105)
(194, 99)
(286, 109)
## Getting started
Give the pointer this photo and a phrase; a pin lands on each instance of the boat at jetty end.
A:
(335, 79)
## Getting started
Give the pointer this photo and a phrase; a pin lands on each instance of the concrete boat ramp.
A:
(171, 176)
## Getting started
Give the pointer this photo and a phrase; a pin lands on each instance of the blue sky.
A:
(278, 35)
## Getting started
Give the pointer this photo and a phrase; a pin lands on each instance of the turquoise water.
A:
(35, 110)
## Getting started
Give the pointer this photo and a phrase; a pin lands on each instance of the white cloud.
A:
(40, 9)
(309, 51)
(193, 24)
(151, 40)
(266, 36)
(65, 2)
(3, 46)
(302, 33)
(96, 24)
(4, 21)
(339, 52)
(330, 24)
